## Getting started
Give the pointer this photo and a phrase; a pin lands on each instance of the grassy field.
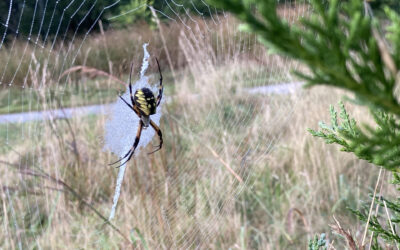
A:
(294, 183)
(57, 184)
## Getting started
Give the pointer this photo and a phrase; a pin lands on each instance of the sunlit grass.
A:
(297, 174)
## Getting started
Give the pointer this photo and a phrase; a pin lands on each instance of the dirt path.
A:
(282, 88)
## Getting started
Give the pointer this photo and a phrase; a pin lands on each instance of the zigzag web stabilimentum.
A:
(60, 78)
(118, 139)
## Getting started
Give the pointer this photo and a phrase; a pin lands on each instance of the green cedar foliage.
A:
(338, 43)
(343, 45)
(379, 224)
(379, 145)
(318, 243)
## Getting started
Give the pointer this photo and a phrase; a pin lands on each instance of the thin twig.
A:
(213, 152)
(105, 47)
(163, 41)
(377, 207)
(92, 71)
(390, 221)
(289, 218)
(339, 229)
(370, 208)
(42, 174)
(9, 164)
(74, 142)
(74, 193)
(225, 164)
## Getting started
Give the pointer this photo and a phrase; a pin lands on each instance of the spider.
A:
(144, 105)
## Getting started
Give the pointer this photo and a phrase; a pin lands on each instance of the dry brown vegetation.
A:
(114, 51)
(55, 173)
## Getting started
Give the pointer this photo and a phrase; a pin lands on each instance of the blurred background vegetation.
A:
(42, 17)
(54, 24)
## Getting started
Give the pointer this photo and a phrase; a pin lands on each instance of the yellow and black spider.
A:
(144, 105)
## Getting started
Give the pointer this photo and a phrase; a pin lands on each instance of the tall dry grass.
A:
(294, 183)
(114, 52)
(57, 184)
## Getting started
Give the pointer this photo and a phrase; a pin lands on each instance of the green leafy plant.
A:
(343, 46)
(134, 11)
(317, 243)
(365, 144)
(338, 43)
(377, 145)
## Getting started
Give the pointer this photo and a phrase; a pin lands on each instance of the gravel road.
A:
(282, 88)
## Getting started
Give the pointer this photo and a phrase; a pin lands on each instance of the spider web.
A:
(227, 104)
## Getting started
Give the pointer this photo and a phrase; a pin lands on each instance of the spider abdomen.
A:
(145, 101)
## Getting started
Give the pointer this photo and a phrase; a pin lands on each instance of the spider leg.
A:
(131, 107)
(126, 102)
(160, 87)
(132, 150)
(125, 161)
(126, 155)
(130, 84)
(158, 130)
(137, 112)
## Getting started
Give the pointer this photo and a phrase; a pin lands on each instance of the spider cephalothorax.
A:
(143, 104)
